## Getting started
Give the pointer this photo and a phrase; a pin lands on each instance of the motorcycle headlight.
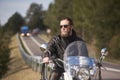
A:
(73, 70)
(83, 74)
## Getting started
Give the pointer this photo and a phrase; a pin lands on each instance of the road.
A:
(112, 71)
(33, 43)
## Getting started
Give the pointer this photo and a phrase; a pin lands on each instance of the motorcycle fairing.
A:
(76, 57)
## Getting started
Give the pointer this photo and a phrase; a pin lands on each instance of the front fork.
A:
(67, 77)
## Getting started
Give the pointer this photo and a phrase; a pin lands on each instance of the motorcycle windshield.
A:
(76, 54)
(76, 48)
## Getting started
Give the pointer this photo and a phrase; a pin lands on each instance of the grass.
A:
(113, 61)
(17, 67)
(45, 37)
(93, 52)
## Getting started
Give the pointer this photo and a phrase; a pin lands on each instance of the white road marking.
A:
(35, 41)
(26, 46)
(112, 69)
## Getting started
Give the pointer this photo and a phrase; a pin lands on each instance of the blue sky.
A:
(9, 7)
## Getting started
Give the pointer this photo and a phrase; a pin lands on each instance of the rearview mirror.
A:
(104, 51)
(43, 47)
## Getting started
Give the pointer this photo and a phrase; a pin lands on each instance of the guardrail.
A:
(32, 61)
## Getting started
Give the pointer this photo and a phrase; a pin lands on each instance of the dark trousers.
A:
(56, 73)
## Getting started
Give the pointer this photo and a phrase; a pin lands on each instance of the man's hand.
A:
(46, 60)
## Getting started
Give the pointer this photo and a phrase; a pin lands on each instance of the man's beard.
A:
(67, 34)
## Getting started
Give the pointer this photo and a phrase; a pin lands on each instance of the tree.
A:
(14, 22)
(34, 16)
(94, 20)
(114, 47)
(57, 10)
(4, 50)
(99, 20)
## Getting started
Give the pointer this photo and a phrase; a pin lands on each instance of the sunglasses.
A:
(65, 26)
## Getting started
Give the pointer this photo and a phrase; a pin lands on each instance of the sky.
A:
(9, 7)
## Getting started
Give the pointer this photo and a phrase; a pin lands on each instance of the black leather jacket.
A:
(58, 44)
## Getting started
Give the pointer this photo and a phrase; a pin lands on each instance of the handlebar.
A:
(56, 61)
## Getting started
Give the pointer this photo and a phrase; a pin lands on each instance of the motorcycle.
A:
(77, 64)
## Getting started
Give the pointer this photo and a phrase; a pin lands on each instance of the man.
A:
(58, 44)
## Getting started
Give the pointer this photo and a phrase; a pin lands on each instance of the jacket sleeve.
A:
(51, 48)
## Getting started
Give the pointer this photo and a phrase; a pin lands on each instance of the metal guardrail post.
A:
(36, 63)
(33, 61)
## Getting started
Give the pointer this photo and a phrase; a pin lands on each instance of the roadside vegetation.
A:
(4, 51)
(17, 68)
